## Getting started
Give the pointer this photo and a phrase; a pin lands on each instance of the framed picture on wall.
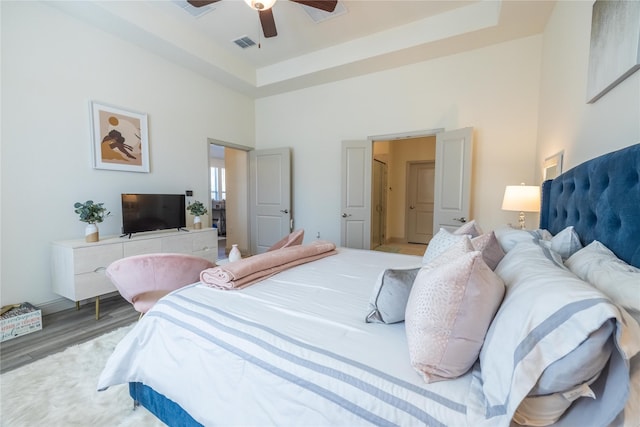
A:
(120, 139)
(614, 52)
(552, 166)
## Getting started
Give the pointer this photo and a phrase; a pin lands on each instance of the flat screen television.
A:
(151, 212)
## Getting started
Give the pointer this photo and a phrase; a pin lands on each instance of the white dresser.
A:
(78, 268)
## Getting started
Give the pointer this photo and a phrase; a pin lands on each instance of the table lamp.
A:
(522, 198)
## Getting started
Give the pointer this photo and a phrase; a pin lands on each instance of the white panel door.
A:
(452, 178)
(270, 197)
(420, 202)
(356, 195)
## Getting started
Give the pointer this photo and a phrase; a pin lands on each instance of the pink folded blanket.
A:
(247, 271)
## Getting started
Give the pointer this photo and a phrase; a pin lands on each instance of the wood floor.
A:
(66, 328)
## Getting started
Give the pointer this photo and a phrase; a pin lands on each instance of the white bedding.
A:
(296, 351)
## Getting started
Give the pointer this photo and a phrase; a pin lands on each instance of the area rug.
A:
(60, 390)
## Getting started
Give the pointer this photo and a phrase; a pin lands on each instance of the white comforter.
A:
(295, 350)
(292, 350)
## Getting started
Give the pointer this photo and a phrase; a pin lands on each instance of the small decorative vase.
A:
(234, 254)
(197, 223)
(91, 233)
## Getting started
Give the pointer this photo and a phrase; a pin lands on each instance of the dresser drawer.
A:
(178, 244)
(139, 247)
(89, 285)
(206, 241)
(91, 259)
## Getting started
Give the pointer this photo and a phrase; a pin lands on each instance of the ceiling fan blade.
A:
(326, 5)
(268, 23)
(200, 3)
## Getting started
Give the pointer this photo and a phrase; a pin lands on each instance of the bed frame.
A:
(600, 198)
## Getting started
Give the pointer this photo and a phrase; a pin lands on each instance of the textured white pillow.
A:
(596, 264)
(450, 308)
(440, 243)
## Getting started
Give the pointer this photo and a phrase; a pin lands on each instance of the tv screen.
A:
(150, 212)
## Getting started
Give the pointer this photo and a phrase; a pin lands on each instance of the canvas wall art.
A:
(120, 139)
(615, 45)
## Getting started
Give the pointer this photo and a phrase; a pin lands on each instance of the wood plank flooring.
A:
(66, 328)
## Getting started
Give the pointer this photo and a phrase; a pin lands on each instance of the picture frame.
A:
(614, 51)
(119, 138)
(552, 166)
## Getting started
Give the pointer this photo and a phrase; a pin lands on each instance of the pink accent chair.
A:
(292, 239)
(144, 279)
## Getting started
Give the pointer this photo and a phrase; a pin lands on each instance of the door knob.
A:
(285, 211)
(344, 215)
(461, 219)
(412, 207)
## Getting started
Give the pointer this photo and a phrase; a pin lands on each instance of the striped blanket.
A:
(292, 350)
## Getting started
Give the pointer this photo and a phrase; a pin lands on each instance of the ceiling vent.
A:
(196, 12)
(244, 42)
(318, 15)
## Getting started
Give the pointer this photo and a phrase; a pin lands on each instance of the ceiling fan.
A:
(266, 15)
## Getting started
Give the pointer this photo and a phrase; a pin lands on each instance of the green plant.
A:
(91, 212)
(196, 208)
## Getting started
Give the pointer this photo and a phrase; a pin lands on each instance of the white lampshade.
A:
(260, 4)
(522, 198)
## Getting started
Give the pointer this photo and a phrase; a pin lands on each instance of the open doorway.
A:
(396, 227)
(228, 183)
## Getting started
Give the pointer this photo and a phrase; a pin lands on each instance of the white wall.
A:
(567, 122)
(493, 89)
(52, 66)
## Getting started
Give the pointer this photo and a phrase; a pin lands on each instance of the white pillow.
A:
(440, 243)
(509, 236)
(448, 313)
(596, 264)
(566, 242)
(550, 317)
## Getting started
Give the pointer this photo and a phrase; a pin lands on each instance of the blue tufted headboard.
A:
(601, 199)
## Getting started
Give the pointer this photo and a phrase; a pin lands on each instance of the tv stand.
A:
(78, 267)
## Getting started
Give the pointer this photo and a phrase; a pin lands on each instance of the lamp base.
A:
(521, 221)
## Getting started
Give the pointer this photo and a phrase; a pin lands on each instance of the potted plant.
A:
(91, 213)
(196, 209)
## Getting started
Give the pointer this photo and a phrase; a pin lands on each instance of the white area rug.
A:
(60, 390)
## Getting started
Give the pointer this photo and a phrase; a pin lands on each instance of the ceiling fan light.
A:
(260, 4)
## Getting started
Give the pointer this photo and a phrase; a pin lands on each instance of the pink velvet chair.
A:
(144, 279)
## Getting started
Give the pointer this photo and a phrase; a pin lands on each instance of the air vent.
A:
(319, 15)
(196, 12)
(244, 42)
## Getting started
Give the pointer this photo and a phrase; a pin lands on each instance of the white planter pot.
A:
(91, 233)
(197, 222)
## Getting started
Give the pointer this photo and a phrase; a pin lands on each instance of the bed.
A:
(546, 338)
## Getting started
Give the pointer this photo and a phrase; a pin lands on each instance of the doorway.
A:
(228, 186)
(400, 226)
